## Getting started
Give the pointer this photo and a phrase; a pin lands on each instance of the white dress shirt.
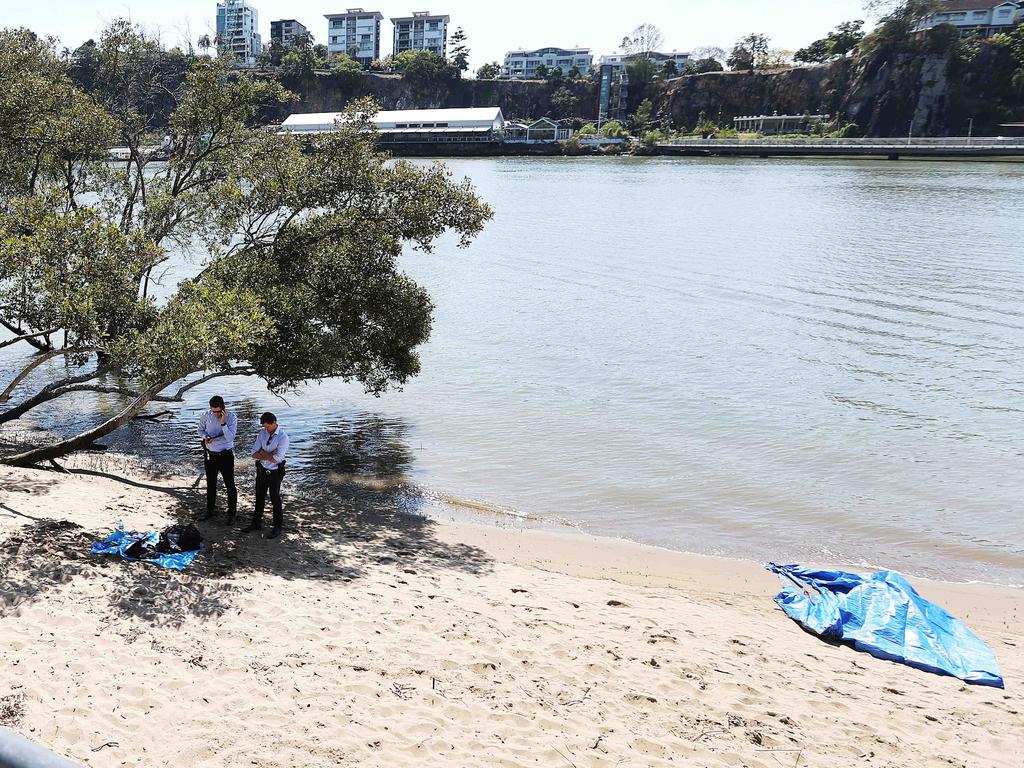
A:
(223, 434)
(275, 444)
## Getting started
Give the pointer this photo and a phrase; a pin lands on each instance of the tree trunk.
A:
(85, 439)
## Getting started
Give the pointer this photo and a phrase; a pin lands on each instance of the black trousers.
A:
(222, 463)
(268, 480)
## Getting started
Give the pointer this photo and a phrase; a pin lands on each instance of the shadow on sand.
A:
(350, 515)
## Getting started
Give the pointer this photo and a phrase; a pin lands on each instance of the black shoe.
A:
(252, 527)
(205, 516)
(274, 532)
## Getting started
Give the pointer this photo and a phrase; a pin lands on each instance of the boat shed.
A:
(415, 125)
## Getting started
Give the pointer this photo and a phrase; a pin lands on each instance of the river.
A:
(783, 360)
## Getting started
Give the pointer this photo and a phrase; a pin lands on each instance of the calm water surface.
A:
(788, 360)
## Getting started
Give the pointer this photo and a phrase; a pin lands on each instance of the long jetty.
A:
(892, 149)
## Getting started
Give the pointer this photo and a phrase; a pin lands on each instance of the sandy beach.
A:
(369, 638)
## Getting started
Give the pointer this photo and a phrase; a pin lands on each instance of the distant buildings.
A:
(976, 17)
(355, 33)
(521, 65)
(620, 61)
(237, 30)
(415, 126)
(283, 32)
(773, 124)
(421, 32)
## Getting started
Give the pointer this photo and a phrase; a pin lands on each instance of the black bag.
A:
(180, 538)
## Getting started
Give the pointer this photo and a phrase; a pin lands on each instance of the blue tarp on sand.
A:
(884, 616)
(120, 540)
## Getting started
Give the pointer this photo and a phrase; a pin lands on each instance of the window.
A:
(434, 25)
(365, 38)
(337, 23)
(335, 39)
(442, 125)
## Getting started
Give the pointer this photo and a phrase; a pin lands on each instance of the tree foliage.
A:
(460, 51)
(302, 235)
(750, 52)
(702, 66)
(643, 41)
(841, 41)
(490, 71)
(424, 68)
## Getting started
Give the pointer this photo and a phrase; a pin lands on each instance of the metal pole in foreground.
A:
(18, 752)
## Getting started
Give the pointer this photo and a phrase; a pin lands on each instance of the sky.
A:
(492, 28)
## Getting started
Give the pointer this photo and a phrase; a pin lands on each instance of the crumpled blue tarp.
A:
(118, 542)
(883, 615)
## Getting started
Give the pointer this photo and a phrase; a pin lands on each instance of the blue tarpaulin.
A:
(120, 540)
(883, 615)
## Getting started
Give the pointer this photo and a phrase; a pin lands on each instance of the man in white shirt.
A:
(269, 450)
(217, 431)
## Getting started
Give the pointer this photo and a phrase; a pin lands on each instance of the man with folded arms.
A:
(269, 450)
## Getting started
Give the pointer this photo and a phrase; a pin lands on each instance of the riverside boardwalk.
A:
(892, 149)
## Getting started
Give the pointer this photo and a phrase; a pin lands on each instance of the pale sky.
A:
(492, 28)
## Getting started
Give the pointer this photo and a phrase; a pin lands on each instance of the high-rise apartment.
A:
(356, 33)
(238, 30)
(421, 32)
(283, 32)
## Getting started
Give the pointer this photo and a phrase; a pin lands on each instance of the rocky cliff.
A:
(518, 99)
(885, 95)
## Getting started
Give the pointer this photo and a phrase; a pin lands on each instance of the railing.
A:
(955, 142)
(18, 752)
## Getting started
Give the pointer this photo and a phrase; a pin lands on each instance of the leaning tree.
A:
(300, 238)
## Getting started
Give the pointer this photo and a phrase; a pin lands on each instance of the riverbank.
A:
(370, 638)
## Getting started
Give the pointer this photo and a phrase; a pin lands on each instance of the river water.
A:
(789, 360)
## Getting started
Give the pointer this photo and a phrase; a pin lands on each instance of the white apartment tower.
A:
(523, 64)
(421, 32)
(354, 32)
(238, 30)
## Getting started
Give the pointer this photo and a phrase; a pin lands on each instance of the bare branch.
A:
(240, 371)
(15, 329)
(36, 362)
(26, 337)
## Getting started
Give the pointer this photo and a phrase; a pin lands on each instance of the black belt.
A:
(218, 453)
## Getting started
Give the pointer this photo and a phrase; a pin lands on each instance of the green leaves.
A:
(303, 234)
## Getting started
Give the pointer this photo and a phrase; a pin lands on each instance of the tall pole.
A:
(970, 130)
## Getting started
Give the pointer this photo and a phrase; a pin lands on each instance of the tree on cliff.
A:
(300, 280)
(424, 69)
(701, 66)
(750, 52)
(491, 71)
(897, 24)
(841, 41)
(460, 51)
(643, 41)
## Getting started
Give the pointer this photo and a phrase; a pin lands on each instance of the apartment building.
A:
(976, 17)
(354, 32)
(283, 32)
(620, 61)
(422, 31)
(522, 65)
(238, 31)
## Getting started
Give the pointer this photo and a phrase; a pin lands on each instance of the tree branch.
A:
(240, 371)
(36, 362)
(26, 337)
(42, 346)
(46, 394)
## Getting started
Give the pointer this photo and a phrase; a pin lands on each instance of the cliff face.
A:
(517, 99)
(885, 95)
